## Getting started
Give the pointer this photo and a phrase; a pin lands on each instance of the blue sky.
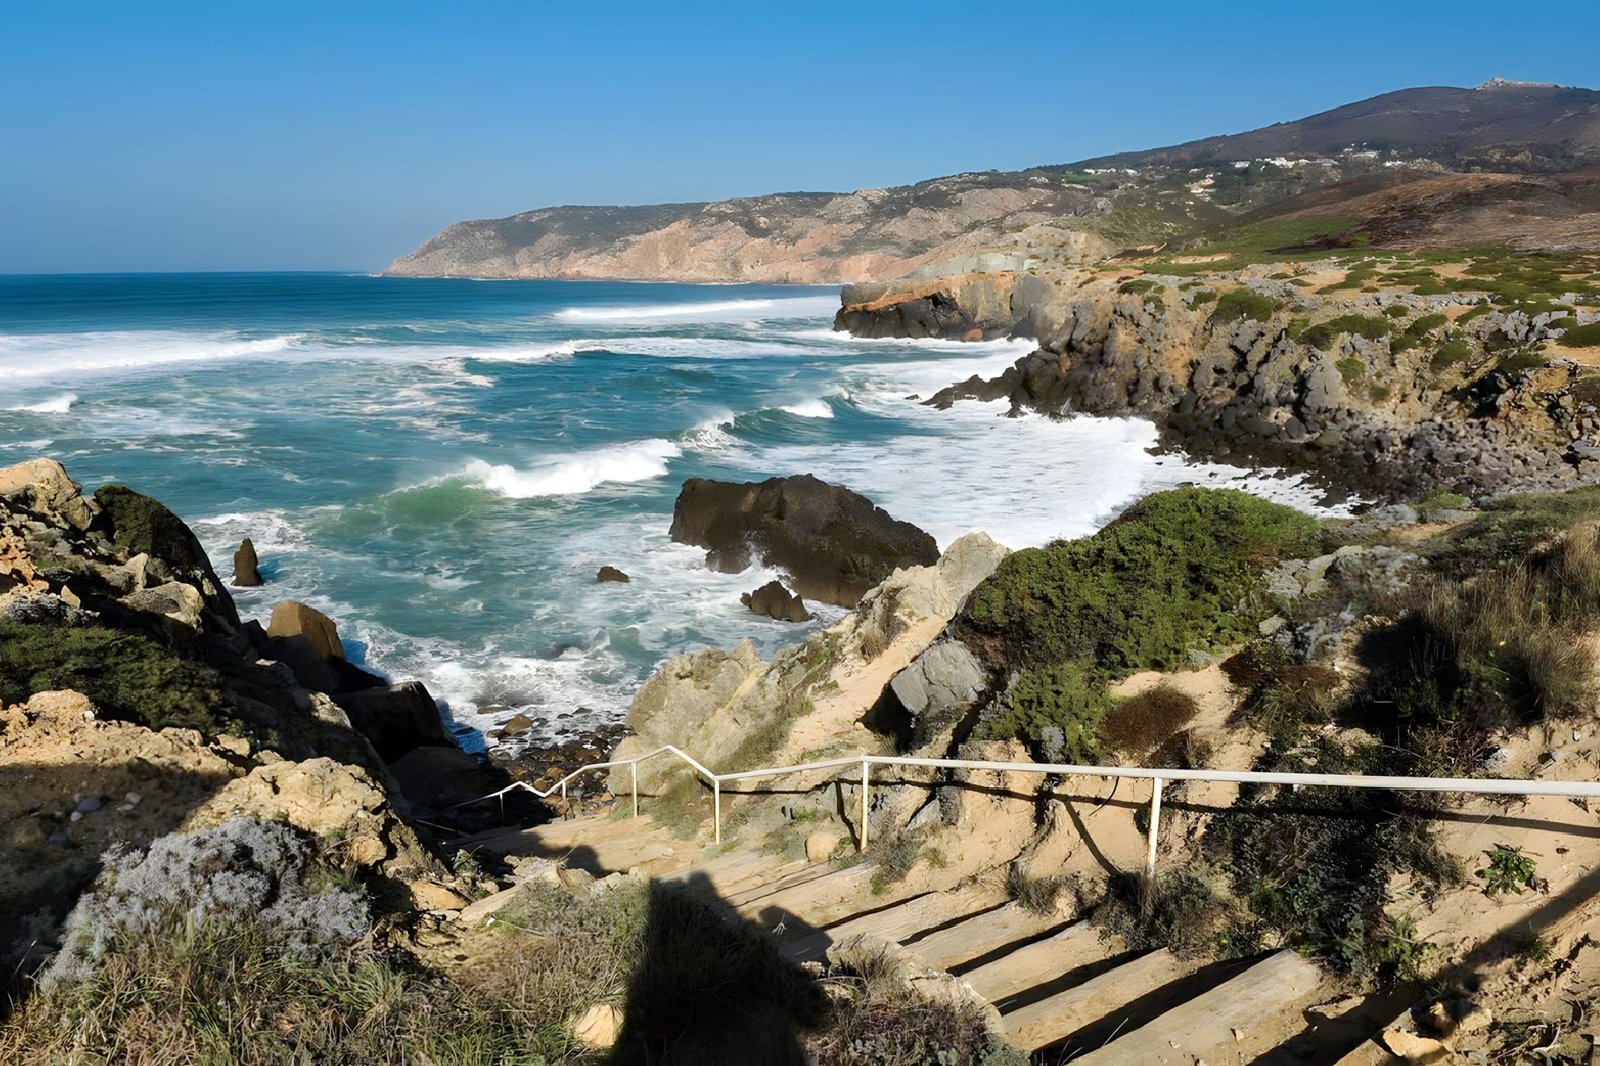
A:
(336, 135)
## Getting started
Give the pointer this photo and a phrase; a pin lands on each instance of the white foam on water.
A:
(623, 463)
(56, 405)
(712, 311)
(62, 355)
(712, 433)
(809, 409)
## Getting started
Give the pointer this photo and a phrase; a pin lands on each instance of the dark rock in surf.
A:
(611, 573)
(776, 602)
(246, 572)
(833, 543)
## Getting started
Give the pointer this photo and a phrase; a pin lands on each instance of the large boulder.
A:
(293, 619)
(141, 525)
(396, 718)
(939, 687)
(776, 602)
(833, 543)
(43, 487)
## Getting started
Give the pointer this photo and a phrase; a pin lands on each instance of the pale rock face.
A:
(294, 619)
(43, 487)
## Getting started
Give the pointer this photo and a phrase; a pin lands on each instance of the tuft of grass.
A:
(1582, 336)
(1140, 724)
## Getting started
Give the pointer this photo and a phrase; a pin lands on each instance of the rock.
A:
(175, 600)
(396, 718)
(821, 845)
(442, 776)
(611, 573)
(575, 880)
(427, 896)
(246, 573)
(42, 487)
(514, 726)
(834, 543)
(139, 524)
(1416, 1050)
(776, 602)
(937, 688)
(88, 805)
(292, 619)
(598, 1027)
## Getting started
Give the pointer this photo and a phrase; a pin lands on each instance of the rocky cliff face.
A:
(1383, 391)
(788, 237)
(133, 703)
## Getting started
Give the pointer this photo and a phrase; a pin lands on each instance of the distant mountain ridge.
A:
(1062, 213)
(1558, 126)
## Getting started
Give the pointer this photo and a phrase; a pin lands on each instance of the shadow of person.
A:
(711, 988)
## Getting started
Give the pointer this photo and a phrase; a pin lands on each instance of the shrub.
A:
(1509, 869)
(1057, 708)
(1396, 311)
(1426, 324)
(1176, 571)
(1241, 304)
(1189, 910)
(1141, 724)
(1450, 353)
(1351, 369)
(1313, 864)
(1141, 287)
(243, 871)
(1582, 336)
(127, 676)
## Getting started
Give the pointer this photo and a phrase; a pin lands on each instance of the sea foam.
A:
(641, 460)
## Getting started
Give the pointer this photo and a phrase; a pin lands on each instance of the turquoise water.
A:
(442, 465)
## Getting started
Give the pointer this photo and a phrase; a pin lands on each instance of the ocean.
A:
(441, 465)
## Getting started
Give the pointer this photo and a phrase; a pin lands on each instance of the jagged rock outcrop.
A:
(776, 602)
(833, 543)
(1334, 384)
(246, 567)
(731, 707)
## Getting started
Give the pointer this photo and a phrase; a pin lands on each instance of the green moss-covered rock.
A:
(127, 676)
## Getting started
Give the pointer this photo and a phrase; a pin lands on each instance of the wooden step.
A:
(1051, 1020)
(980, 935)
(1212, 1025)
(899, 922)
(1033, 964)
(826, 900)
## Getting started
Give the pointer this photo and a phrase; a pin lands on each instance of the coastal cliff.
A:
(1390, 382)
(1525, 135)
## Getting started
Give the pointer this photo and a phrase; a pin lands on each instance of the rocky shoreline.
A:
(1389, 395)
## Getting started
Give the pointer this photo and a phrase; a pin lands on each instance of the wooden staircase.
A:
(1059, 989)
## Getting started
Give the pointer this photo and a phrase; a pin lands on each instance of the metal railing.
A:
(1158, 777)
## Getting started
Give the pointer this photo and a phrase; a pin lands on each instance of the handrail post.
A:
(866, 786)
(1155, 825)
(716, 807)
(634, 766)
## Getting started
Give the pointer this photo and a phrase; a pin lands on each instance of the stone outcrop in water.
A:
(776, 602)
(246, 567)
(833, 543)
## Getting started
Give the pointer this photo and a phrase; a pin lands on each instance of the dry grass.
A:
(1140, 724)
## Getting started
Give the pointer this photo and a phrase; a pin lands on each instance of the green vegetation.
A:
(1397, 311)
(1142, 287)
(1449, 354)
(1509, 869)
(1582, 336)
(1426, 324)
(1322, 335)
(142, 524)
(129, 677)
(896, 854)
(1180, 570)
(1351, 369)
(1241, 304)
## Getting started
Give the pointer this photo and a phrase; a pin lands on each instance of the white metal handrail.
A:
(1486, 786)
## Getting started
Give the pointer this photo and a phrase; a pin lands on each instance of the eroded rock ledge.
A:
(1386, 393)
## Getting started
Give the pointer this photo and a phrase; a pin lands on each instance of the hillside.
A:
(1080, 212)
